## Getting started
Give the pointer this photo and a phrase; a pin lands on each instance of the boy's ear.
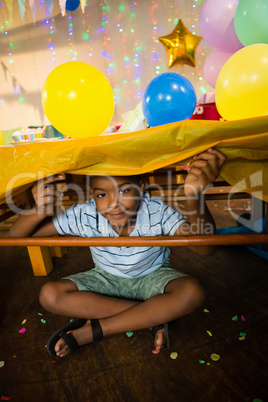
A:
(142, 185)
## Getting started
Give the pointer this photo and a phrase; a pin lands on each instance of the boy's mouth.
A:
(117, 216)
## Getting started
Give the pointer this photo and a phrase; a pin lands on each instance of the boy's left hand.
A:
(203, 170)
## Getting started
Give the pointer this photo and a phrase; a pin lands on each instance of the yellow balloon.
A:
(242, 84)
(78, 100)
(1, 138)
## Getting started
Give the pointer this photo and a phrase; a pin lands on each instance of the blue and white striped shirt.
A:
(154, 218)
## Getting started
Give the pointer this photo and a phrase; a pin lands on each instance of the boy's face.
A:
(116, 198)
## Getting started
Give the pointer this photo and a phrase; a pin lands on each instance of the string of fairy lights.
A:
(8, 69)
(119, 31)
(48, 21)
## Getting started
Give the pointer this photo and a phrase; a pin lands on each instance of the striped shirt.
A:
(154, 218)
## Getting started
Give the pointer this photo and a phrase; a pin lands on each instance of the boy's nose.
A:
(113, 201)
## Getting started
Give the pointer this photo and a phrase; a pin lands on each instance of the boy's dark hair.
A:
(139, 178)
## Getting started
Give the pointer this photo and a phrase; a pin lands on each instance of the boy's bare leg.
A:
(181, 297)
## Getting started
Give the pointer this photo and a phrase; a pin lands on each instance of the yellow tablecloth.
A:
(244, 142)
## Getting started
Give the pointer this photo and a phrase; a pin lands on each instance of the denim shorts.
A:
(142, 288)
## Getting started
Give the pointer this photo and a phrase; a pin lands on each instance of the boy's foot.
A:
(160, 338)
(82, 335)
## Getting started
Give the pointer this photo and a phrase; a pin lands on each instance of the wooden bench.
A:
(167, 183)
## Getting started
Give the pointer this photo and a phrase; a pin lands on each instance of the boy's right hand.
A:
(45, 194)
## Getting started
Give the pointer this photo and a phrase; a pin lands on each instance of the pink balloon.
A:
(213, 65)
(216, 22)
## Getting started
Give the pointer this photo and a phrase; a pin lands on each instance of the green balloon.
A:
(251, 21)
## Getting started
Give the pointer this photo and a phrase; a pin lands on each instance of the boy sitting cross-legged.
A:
(130, 288)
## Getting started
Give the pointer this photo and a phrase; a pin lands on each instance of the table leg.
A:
(41, 260)
(58, 251)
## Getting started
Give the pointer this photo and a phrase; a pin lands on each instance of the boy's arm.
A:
(202, 172)
(38, 220)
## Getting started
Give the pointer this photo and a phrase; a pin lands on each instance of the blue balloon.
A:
(72, 5)
(168, 98)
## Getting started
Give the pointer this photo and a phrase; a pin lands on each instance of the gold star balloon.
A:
(180, 45)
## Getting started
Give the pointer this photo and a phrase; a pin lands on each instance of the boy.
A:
(130, 288)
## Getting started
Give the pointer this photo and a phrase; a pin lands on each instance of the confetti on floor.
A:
(235, 318)
(155, 351)
(215, 357)
(129, 333)
(174, 355)
(24, 321)
(201, 361)
(242, 338)
(206, 310)
(40, 314)
(43, 321)
(243, 318)
(22, 330)
(2, 363)
(5, 398)
(210, 334)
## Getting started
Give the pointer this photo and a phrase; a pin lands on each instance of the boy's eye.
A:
(124, 190)
(101, 195)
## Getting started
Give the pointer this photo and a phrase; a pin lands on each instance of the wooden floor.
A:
(122, 368)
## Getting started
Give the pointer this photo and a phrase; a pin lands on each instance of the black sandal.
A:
(69, 338)
(157, 328)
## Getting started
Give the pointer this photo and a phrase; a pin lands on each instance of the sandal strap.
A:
(70, 341)
(156, 328)
(96, 330)
(165, 327)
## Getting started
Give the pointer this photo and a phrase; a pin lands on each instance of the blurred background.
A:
(118, 37)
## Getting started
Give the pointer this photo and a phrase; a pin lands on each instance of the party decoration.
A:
(244, 142)
(62, 4)
(72, 5)
(78, 100)
(32, 4)
(83, 5)
(180, 45)
(49, 4)
(9, 4)
(215, 357)
(250, 21)
(168, 98)
(22, 8)
(216, 23)
(213, 65)
(242, 85)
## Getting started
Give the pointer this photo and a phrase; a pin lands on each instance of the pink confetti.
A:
(243, 318)
(22, 330)
(155, 351)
